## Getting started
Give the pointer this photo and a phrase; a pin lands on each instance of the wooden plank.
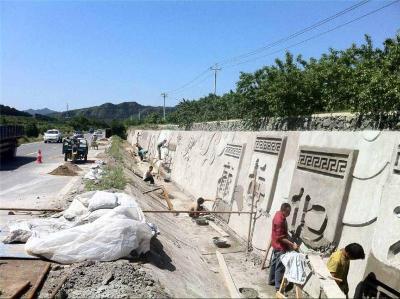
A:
(30, 209)
(330, 287)
(17, 292)
(218, 229)
(233, 291)
(155, 189)
(17, 272)
(268, 247)
(59, 286)
(39, 281)
(186, 211)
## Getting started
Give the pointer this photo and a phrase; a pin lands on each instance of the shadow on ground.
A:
(158, 257)
(15, 163)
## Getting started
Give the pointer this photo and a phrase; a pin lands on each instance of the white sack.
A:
(75, 209)
(21, 230)
(112, 236)
(100, 162)
(125, 200)
(84, 197)
(103, 200)
(90, 175)
(92, 216)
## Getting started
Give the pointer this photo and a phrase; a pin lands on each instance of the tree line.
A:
(360, 79)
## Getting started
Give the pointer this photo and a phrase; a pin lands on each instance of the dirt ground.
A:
(181, 263)
(185, 262)
(120, 279)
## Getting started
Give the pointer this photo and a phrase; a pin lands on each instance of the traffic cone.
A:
(39, 157)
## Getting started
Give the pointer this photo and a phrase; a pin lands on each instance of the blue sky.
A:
(87, 52)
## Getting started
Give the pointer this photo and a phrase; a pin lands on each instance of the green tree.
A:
(153, 118)
(31, 130)
(117, 128)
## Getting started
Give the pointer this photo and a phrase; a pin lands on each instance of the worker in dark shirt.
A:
(148, 176)
(159, 146)
(281, 244)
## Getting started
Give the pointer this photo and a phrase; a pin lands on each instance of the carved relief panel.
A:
(386, 241)
(396, 162)
(169, 156)
(227, 181)
(318, 194)
(263, 171)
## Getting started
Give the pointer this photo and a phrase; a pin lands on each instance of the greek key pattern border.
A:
(233, 150)
(268, 145)
(331, 164)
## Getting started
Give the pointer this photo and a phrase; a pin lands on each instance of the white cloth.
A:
(296, 269)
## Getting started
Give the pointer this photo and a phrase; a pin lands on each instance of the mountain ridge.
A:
(43, 111)
(109, 111)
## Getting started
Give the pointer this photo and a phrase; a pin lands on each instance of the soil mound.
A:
(73, 167)
(65, 169)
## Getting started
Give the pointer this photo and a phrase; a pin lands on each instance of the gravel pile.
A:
(119, 279)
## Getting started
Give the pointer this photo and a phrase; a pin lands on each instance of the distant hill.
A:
(109, 111)
(6, 110)
(44, 111)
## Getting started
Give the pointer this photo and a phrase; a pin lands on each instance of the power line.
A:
(242, 56)
(293, 35)
(228, 62)
(197, 84)
(317, 35)
(190, 82)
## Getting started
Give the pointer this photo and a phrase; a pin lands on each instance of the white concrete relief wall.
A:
(354, 197)
(318, 194)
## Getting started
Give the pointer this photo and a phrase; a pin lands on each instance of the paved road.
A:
(25, 183)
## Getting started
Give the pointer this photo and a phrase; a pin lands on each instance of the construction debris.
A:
(96, 171)
(119, 279)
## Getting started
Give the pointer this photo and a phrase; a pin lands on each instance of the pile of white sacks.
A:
(97, 226)
(95, 172)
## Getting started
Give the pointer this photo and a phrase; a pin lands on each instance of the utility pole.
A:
(164, 95)
(215, 68)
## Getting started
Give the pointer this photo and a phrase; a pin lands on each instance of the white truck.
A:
(52, 136)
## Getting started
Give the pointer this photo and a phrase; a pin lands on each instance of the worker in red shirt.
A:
(280, 243)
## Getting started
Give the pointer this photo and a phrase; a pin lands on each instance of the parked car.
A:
(99, 133)
(52, 136)
(91, 130)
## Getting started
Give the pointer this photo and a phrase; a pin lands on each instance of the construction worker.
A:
(148, 176)
(281, 244)
(159, 146)
(339, 264)
(197, 207)
(142, 154)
